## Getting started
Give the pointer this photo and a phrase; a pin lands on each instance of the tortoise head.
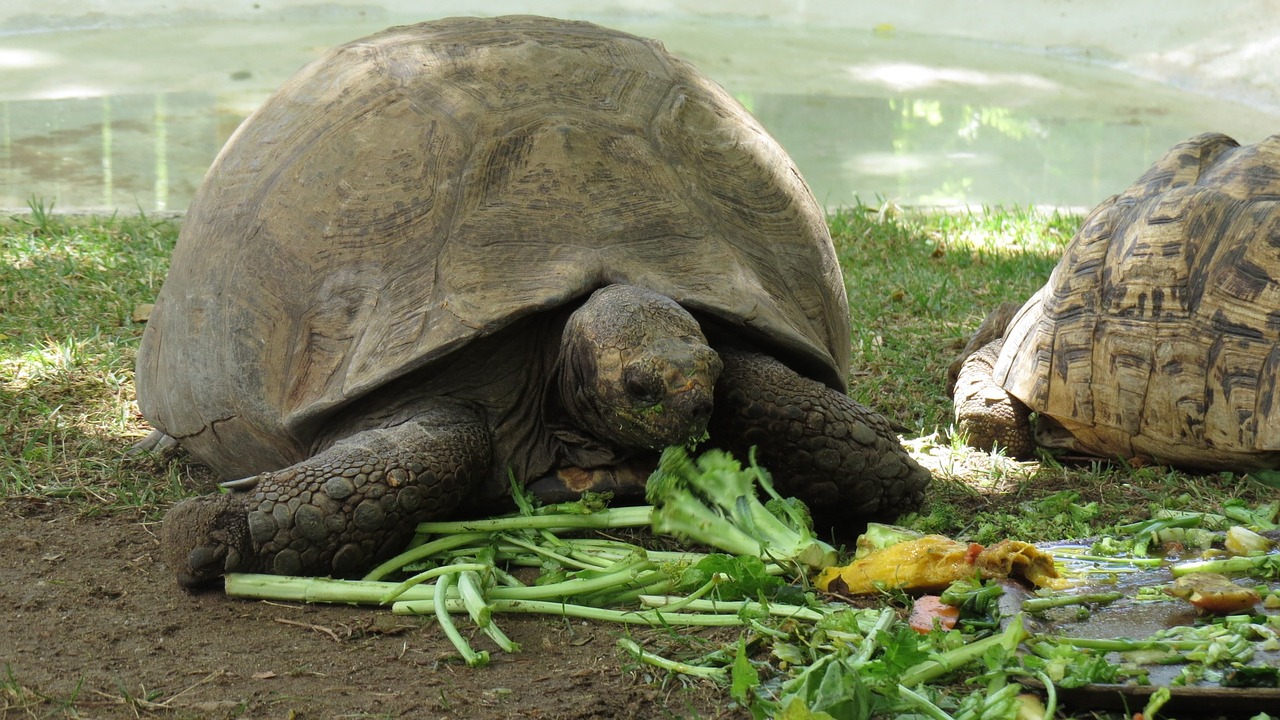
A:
(636, 369)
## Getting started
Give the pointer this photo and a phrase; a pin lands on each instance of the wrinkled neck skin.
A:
(635, 370)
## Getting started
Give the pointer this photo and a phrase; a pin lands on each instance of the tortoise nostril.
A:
(701, 412)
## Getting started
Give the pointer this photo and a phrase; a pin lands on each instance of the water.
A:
(128, 119)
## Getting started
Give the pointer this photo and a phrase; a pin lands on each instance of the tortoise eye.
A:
(642, 386)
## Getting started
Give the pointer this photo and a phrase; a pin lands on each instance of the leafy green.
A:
(1261, 518)
(713, 501)
(979, 601)
(745, 679)
(738, 577)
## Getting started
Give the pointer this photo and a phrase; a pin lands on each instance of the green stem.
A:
(431, 574)
(549, 554)
(422, 551)
(1125, 645)
(921, 703)
(1139, 562)
(944, 663)
(718, 674)
(586, 555)
(469, 591)
(317, 590)
(655, 582)
(746, 607)
(472, 658)
(868, 645)
(500, 638)
(374, 592)
(1034, 605)
(671, 604)
(621, 576)
(630, 617)
(638, 516)
(997, 696)
(1227, 565)
(1156, 701)
(678, 557)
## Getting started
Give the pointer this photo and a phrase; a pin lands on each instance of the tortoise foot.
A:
(987, 416)
(842, 459)
(206, 537)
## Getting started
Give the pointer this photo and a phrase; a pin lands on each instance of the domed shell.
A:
(1157, 336)
(413, 191)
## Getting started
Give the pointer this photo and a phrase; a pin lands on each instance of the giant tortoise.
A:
(469, 249)
(1157, 336)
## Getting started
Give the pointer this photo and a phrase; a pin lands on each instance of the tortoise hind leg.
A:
(337, 512)
(842, 459)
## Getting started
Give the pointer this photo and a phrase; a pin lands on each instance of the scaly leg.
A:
(336, 513)
(842, 459)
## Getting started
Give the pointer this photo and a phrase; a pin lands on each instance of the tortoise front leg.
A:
(842, 459)
(987, 416)
(336, 513)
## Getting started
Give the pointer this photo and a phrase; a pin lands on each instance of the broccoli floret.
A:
(714, 501)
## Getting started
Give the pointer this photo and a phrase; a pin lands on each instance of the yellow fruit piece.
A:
(932, 562)
(1014, 558)
(1214, 592)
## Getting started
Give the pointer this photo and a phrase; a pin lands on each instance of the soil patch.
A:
(96, 627)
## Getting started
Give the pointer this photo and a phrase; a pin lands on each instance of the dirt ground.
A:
(95, 627)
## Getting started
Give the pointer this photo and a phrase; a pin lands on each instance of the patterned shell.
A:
(1158, 334)
(413, 191)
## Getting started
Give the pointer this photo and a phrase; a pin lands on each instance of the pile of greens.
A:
(798, 654)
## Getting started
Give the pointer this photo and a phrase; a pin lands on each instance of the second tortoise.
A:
(1157, 336)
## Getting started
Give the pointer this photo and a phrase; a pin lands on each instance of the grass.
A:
(918, 285)
(69, 292)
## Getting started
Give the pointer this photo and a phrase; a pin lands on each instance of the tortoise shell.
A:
(1157, 336)
(430, 185)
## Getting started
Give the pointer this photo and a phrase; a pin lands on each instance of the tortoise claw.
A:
(155, 442)
(206, 537)
(247, 483)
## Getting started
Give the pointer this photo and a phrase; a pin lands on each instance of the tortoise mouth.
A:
(678, 419)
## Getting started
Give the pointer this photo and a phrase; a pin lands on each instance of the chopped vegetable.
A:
(1265, 566)
(1243, 541)
(826, 659)
(1014, 558)
(1040, 604)
(928, 564)
(1214, 593)
(879, 536)
(929, 613)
